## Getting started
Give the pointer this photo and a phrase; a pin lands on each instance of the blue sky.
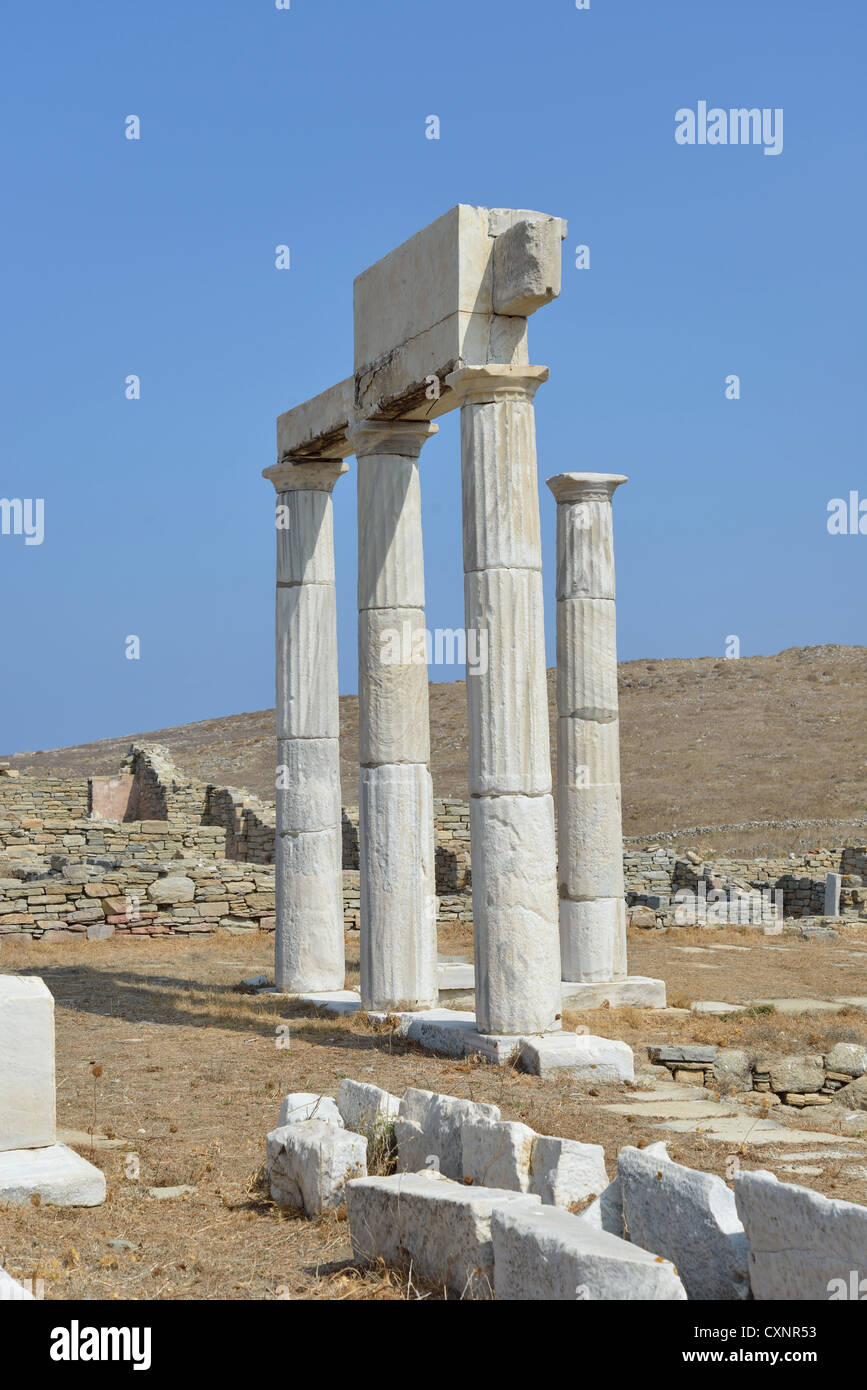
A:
(306, 126)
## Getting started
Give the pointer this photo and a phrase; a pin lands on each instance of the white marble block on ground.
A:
(586, 1056)
(309, 1164)
(11, 1291)
(690, 1218)
(510, 1155)
(299, 1106)
(60, 1176)
(546, 1254)
(802, 1245)
(439, 1228)
(27, 1115)
(564, 1171)
(365, 1107)
(431, 1125)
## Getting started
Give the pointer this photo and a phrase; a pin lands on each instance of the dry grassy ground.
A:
(705, 742)
(191, 1080)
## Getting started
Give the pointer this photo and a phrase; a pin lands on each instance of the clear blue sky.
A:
(306, 126)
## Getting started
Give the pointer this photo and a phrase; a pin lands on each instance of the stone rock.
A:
(299, 1106)
(170, 1194)
(429, 1124)
(174, 889)
(803, 1246)
(365, 1107)
(564, 1171)
(682, 1052)
(690, 1218)
(497, 1153)
(794, 1073)
(27, 1113)
(585, 1056)
(59, 1175)
(606, 1212)
(849, 1058)
(309, 1164)
(441, 1229)
(853, 1096)
(546, 1254)
(100, 931)
(732, 1068)
(11, 1291)
(643, 917)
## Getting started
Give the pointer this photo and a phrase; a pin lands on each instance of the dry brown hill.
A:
(705, 743)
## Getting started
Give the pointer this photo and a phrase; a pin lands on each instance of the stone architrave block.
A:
(393, 721)
(803, 1246)
(509, 745)
(365, 1107)
(423, 1221)
(431, 1125)
(565, 1171)
(527, 266)
(309, 1164)
(547, 1254)
(27, 1112)
(300, 1106)
(497, 1154)
(690, 1218)
(308, 790)
(516, 914)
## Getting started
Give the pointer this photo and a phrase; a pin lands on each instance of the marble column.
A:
(309, 953)
(590, 830)
(395, 791)
(511, 806)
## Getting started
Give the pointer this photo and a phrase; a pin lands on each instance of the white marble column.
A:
(511, 806)
(309, 952)
(590, 830)
(395, 791)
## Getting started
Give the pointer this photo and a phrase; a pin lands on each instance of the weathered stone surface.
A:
(593, 940)
(590, 833)
(849, 1058)
(393, 720)
(441, 1228)
(565, 1171)
(795, 1073)
(585, 1056)
(299, 1106)
(640, 991)
(682, 1052)
(587, 658)
(310, 1163)
(308, 786)
(316, 428)
(801, 1243)
(853, 1096)
(585, 539)
(430, 1124)
(527, 266)
(732, 1067)
(309, 946)
(690, 1218)
(546, 1254)
(398, 888)
(606, 1212)
(307, 705)
(58, 1174)
(497, 1153)
(515, 914)
(509, 750)
(501, 529)
(305, 537)
(390, 561)
(27, 1114)
(365, 1107)
(176, 888)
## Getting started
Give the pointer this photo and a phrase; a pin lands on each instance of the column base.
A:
(641, 991)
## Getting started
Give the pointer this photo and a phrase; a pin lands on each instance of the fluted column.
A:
(309, 951)
(395, 791)
(511, 807)
(590, 830)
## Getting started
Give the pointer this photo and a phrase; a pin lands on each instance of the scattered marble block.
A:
(640, 991)
(606, 1212)
(430, 1125)
(60, 1176)
(848, 1058)
(423, 1221)
(497, 1153)
(717, 1008)
(582, 1054)
(457, 976)
(546, 1254)
(690, 1218)
(563, 1171)
(299, 1106)
(802, 1245)
(309, 1164)
(11, 1291)
(332, 1001)
(364, 1107)
(27, 1115)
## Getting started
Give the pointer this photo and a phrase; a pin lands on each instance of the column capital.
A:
(401, 437)
(496, 382)
(305, 475)
(585, 487)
